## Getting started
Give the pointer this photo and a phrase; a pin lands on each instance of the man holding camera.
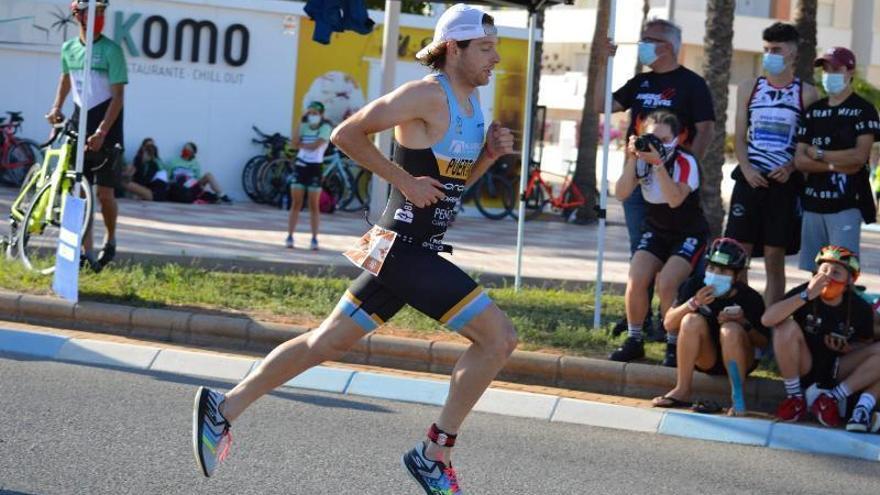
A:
(667, 86)
(718, 321)
(764, 207)
(822, 334)
(675, 230)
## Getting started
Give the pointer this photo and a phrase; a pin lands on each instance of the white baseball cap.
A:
(459, 23)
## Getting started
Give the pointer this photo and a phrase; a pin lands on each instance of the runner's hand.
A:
(781, 174)
(817, 283)
(753, 177)
(705, 296)
(55, 116)
(423, 191)
(499, 141)
(95, 141)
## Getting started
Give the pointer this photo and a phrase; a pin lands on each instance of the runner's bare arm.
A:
(411, 102)
(809, 94)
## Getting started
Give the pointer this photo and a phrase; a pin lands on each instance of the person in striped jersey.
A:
(764, 207)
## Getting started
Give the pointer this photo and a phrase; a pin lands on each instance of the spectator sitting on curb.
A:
(187, 167)
(822, 334)
(718, 320)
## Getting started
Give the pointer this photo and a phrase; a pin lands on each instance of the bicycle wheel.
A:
(21, 157)
(39, 231)
(494, 196)
(349, 200)
(249, 177)
(362, 186)
(340, 187)
(535, 203)
(273, 179)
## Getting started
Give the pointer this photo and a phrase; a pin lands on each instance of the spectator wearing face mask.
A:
(145, 177)
(823, 333)
(834, 144)
(312, 141)
(674, 231)
(718, 321)
(187, 168)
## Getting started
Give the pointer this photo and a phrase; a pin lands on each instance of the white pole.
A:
(526, 150)
(603, 186)
(390, 31)
(84, 96)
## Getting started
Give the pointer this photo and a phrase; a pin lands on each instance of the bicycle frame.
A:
(59, 185)
(536, 179)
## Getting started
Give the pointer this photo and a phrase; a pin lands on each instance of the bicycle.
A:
(569, 198)
(17, 156)
(35, 216)
(274, 146)
(340, 182)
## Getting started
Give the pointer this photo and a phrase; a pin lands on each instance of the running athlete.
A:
(103, 117)
(674, 232)
(764, 207)
(442, 147)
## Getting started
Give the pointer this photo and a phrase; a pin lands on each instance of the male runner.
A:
(441, 148)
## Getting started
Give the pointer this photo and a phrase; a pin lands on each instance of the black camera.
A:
(646, 141)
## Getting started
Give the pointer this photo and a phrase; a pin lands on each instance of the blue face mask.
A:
(834, 83)
(721, 283)
(774, 63)
(647, 52)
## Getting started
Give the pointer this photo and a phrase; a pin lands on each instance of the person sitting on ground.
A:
(312, 140)
(718, 321)
(187, 167)
(674, 232)
(145, 177)
(822, 334)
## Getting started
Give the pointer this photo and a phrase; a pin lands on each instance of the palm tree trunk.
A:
(718, 43)
(646, 9)
(588, 136)
(805, 21)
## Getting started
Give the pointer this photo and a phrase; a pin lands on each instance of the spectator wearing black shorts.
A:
(823, 333)
(667, 86)
(312, 139)
(834, 145)
(764, 207)
(674, 232)
(109, 75)
(718, 320)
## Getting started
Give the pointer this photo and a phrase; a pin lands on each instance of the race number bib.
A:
(370, 251)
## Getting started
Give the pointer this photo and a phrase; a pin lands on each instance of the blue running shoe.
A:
(211, 437)
(435, 477)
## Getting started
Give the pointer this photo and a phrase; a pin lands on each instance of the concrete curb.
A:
(241, 333)
(761, 433)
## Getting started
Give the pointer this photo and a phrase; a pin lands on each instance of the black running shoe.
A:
(435, 477)
(631, 350)
(656, 333)
(670, 359)
(90, 262)
(860, 422)
(107, 254)
(210, 434)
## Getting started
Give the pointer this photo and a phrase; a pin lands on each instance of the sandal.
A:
(707, 407)
(669, 402)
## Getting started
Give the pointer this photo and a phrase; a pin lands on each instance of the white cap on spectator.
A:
(459, 23)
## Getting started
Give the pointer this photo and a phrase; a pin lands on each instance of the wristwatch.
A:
(820, 154)
(805, 296)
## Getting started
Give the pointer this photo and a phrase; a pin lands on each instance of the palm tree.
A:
(718, 46)
(63, 20)
(646, 9)
(588, 136)
(805, 21)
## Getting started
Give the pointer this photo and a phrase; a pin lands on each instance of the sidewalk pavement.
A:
(140, 358)
(250, 235)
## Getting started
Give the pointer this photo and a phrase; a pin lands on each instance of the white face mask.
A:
(313, 120)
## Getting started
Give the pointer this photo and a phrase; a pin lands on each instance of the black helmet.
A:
(728, 253)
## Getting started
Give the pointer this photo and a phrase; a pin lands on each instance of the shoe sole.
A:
(823, 423)
(414, 475)
(196, 434)
(857, 428)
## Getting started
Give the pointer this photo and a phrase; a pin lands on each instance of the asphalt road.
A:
(69, 429)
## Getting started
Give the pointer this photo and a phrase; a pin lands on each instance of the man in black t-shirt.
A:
(834, 144)
(717, 319)
(667, 86)
(823, 333)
